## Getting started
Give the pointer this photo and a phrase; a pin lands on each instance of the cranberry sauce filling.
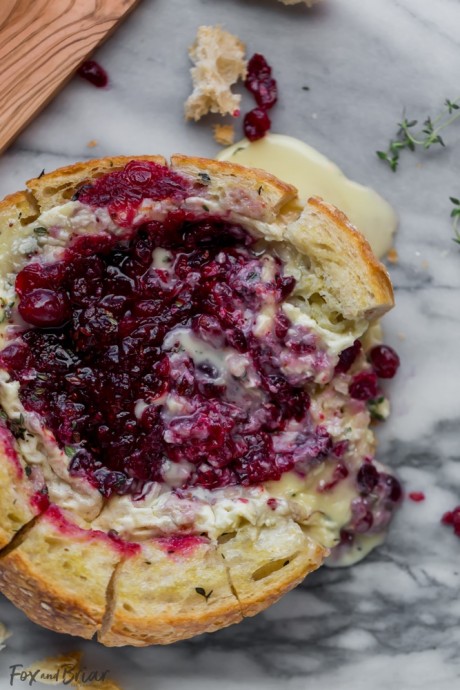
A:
(112, 367)
(164, 355)
(123, 190)
(452, 519)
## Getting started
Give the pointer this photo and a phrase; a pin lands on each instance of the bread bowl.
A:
(186, 394)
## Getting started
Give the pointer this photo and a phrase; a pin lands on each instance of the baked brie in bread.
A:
(186, 395)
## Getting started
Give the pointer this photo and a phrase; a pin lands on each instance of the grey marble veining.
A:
(392, 621)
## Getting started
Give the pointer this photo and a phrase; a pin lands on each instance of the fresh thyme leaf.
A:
(17, 427)
(41, 231)
(204, 177)
(373, 407)
(451, 105)
(202, 593)
(69, 451)
(205, 208)
(28, 470)
(455, 215)
(409, 138)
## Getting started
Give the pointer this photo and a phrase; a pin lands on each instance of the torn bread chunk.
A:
(54, 670)
(173, 589)
(219, 62)
(224, 134)
(59, 574)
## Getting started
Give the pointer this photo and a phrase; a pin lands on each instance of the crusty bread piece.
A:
(59, 578)
(15, 491)
(79, 582)
(276, 559)
(219, 62)
(4, 635)
(336, 249)
(159, 597)
(50, 670)
(224, 134)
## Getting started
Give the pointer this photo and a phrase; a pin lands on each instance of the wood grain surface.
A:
(42, 42)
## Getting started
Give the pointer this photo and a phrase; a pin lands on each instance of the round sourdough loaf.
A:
(85, 549)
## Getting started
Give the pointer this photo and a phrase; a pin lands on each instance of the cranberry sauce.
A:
(125, 397)
(123, 190)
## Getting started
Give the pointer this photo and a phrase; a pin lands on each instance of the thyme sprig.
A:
(409, 138)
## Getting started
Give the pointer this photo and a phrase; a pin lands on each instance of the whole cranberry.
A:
(392, 487)
(256, 124)
(364, 386)
(384, 360)
(45, 308)
(94, 73)
(367, 478)
(347, 357)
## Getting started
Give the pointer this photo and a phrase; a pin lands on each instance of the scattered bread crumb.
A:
(66, 669)
(91, 144)
(51, 669)
(392, 256)
(224, 134)
(4, 635)
(219, 62)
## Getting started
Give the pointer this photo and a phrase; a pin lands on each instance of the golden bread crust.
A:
(77, 582)
(160, 597)
(15, 491)
(59, 579)
(277, 559)
(60, 185)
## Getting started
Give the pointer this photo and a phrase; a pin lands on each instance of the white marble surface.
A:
(393, 621)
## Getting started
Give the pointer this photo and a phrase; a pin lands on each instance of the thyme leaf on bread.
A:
(202, 592)
(409, 137)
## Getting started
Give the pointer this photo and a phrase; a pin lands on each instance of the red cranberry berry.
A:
(384, 360)
(392, 487)
(94, 73)
(256, 124)
(260, 82)
(452, 518)
(364, 386)
(367, 478)
(347, 357)
(45, 308)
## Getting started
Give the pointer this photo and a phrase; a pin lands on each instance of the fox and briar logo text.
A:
(65, 674)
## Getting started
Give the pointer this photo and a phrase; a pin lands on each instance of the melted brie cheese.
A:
(315, 175)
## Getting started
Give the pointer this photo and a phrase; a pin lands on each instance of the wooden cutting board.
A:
(42, 42)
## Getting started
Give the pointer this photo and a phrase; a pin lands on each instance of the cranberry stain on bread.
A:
(187, 389)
